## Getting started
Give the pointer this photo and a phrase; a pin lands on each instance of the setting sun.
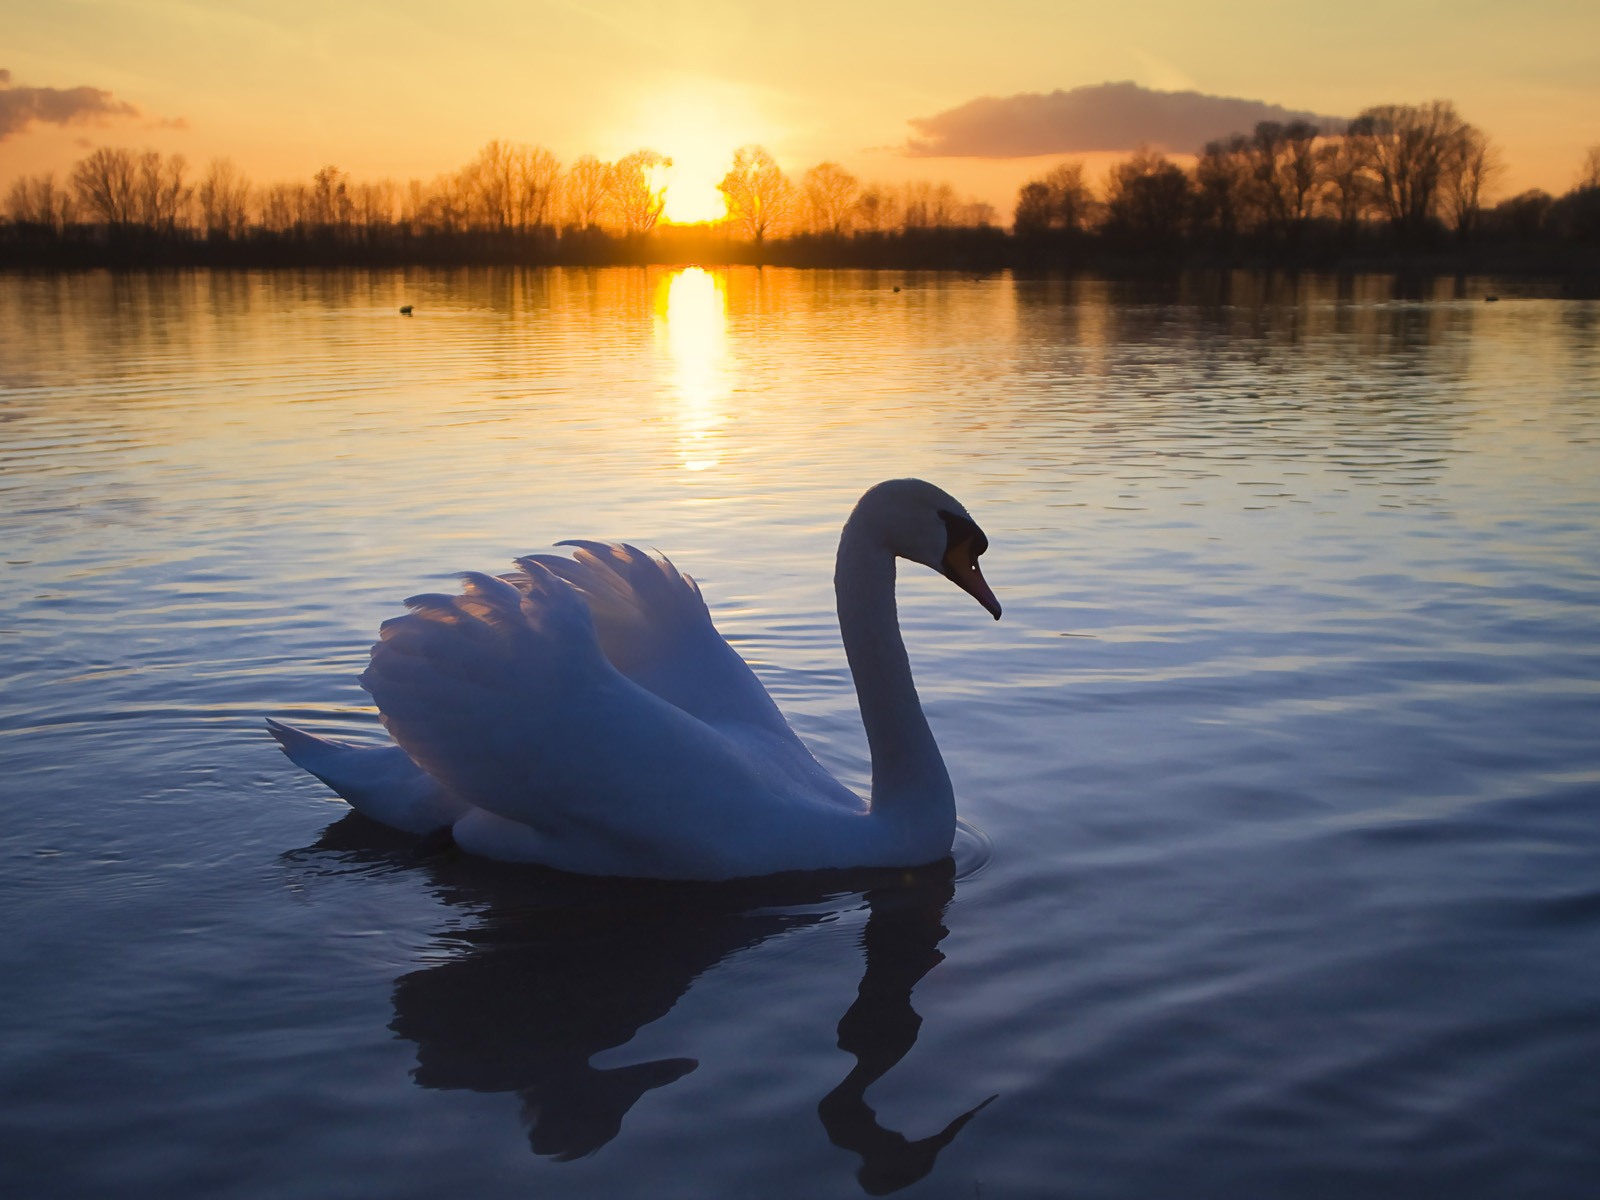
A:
(692, 194)
(698, 126)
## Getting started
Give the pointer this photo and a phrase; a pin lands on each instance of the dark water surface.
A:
(1286, 756)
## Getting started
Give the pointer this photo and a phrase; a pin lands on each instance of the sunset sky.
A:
(411, 88)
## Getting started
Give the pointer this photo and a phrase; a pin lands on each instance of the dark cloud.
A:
(1106, 116)
(21, 107)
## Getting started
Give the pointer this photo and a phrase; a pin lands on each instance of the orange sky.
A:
(410, 88)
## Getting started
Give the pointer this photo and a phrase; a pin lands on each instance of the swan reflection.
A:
(904, 928)
(558, 969)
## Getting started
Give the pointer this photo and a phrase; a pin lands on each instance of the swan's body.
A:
(585, 714)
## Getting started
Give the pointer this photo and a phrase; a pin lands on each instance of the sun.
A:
(698, 124)
(692, 179)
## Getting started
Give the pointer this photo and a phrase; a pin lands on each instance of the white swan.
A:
(584, 713)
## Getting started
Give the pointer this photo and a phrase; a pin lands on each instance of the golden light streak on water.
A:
(692, 319)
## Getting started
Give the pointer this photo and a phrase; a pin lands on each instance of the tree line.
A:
(506, 188)
(1397, 177)
(1407, 177)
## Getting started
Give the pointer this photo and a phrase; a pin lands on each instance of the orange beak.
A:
(961, 568)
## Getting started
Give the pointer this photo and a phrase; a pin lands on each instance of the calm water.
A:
(1286, 756)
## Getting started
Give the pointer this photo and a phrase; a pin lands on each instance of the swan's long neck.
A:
(909, 780)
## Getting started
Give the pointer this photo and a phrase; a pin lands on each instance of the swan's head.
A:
(928, 525)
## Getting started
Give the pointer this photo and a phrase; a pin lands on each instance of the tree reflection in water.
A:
(557, 969)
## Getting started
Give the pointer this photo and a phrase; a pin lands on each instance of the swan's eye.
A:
(962, 534)
(964, 542)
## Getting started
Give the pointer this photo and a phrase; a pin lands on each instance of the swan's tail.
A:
(305, 750)
(380, 782)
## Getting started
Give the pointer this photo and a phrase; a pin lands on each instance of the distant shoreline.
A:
(983, 250)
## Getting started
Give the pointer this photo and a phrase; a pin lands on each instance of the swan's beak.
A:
(960, 567)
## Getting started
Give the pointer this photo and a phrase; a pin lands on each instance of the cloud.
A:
(21, 107)
(1106, 116)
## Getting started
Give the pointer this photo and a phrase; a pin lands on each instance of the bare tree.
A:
(446, 204)
(923, 205)
(289, 208)
(760, 198)
(757, 194)
(330, 201)
(37, 200)
(830, 198)
(633, 191)
(1282, 165)
(162, 197)
(1348, 192)
(588, 185)
(373, 205)
(1409, 150)
(510, 186)
(275, 208)
(536, 178)
(1061, 199)
(1297, 175)
(1472, 162)
(1223, 177)
(224, 198)
(917, 207)
(1071, 198)
(413, 205)
(1147, 199)
(878, 208)
(1033, 212)
(106, 185)
(975, 214)
(489, 182)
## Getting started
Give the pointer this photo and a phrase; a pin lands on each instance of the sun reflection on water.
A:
(691, 319)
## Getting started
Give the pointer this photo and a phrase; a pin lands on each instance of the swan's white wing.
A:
(653, 626)
(504, 696)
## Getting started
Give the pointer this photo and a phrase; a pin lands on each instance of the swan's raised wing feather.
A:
(504, 696)
(653, 626)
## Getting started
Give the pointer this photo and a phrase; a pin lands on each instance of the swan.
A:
(584, 714)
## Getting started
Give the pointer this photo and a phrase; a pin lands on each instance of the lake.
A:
(1282, 771)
